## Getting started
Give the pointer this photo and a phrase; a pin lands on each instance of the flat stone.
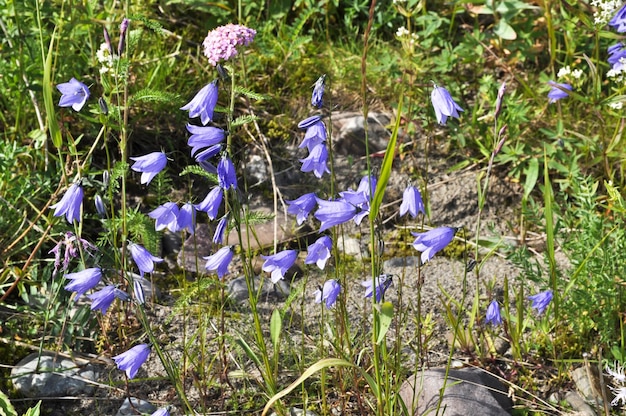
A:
(138, 405)
(350, 133)
(50, 376)
(238, 291)
(468, 391)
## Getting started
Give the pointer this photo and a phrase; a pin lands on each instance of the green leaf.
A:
(276, 324)
(249, 93)
(504, 30)
(532, 173)
(241, 120)
(6, 408)
(53, 126)
(384, 316)
(34, 411)
(251, 355)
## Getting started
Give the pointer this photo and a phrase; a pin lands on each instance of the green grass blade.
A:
(53, 126)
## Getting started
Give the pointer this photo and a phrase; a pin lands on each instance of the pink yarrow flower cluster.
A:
(221, 43)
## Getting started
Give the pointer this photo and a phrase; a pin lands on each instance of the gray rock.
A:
(196, 247)
(50, 376)
(256, 170)
(469, 391)
(410, 261)
(296, 411)
(350, 139)
(137, 405)
(578, 404)
(238, 291)
(350, 246)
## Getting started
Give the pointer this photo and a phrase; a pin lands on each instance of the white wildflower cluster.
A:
(618, 70)
(616, 105)
(604, 10)
(404, 34)
(105, 58)
(566, 72)
(619, 383)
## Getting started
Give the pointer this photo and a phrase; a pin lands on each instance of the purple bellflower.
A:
(131, 360)
(143, 258)
(186, 218)
(412, 202)
(221, 43)
(618, 22)
(302, 206)
(208, 153)
(309, 121)
(103, 298)
(70, 204)
(202, 137)
(218, 237)
(72, 245)
(430, 242)
(493, 316)
(138, 291)
(444, 105)
(316, 161)
(219, 261)
(319, 252)
(331, 213)
(211, 203)
(149, 165)
(83, 281)
(382, 283)
(74, 94)
(318, 92)
(329, 293)
(161, 412)
(226, 175)
(541, 300)
(166, 216)
(556, 93)
(100, 208)
(203, 103)
(315, 135)
(278, 264)
(616, 52)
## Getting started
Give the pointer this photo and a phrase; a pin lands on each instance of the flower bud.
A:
(107, 41)
(123, 30)
(103, 106)
(100, 206)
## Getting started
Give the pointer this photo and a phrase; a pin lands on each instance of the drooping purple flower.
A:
(161, 412)
(278, 264)
(616, 52)
(166, 217)
(143, 258)
(319, 252)
(309, 121)
(72, 245)
(618, 22)
(211, 203)
(103, 298)
(70, 204)
(218, 237)
(331, 213)
(149, 165)
(203, 103)
(186, 218)
(122, 42)
(202, 137)
(302, 206)
(499, 99)
(314, 135)
(219, 261)
(83, 281)
(493, 316)
(329, 293)
(131, 360)
(444, 105)
(382, 283)
(221, 43)
(226, 175)
(430, 242)
(73, 94)
(318, 92)
(138, 290)
(412, 202)
(208, 153)
(100, 208)
(556, 93)
(541, 300)
(316, 161)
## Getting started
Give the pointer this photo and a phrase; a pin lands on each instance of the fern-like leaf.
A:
(241, 120)
(249, 93)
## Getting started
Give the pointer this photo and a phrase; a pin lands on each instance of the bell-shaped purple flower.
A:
(202, 137)
(166, 216)
(329, 293)
(143, 258)
(493, 316)
(103, 298)
(309, 121)
(211, 203)
(618, 22)
(382, 283)
(279, 263)
(331, 213)
(131, 360)
(83, 281)
(208, 153)
(161, 412)
(444, 105)
(430, 242)
(218, 237)
(616, 52)
(319, 252)
(186, 219)
(203, 103)
(226, 175)
(70, 204)
(541, 300)
(318, 92)
(74, 94)
(316, 161)
(412, 202)
(315, 132)
(302, 206)
(219, 261)
(149, 165)
(100, 208)
(556, 93)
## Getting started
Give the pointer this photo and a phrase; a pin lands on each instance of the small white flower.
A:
(577, 73)
(617, 374)
(402, 31)
(620, 395)
(617, 105)
(563, 72)
(604, 10)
